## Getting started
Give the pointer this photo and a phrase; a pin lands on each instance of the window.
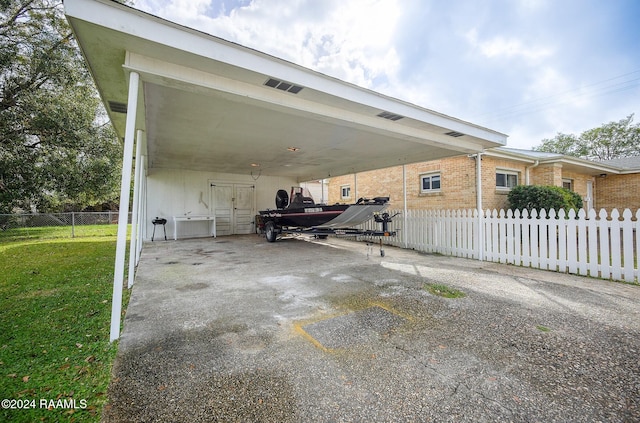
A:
(568, 184)
(506, 179)
(430, 182)
(345, 191)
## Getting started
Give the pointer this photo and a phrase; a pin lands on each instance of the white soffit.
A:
(206, 106)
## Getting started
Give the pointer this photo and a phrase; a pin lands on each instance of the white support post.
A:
(143, 205)
(123, 213)
(134, 212)
(142, 217)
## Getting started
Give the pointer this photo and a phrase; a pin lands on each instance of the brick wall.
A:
(619, 192)
(457, 181)
(458, 184)
(580, 184)
(547, 174)
(493, 197)
(335, 185)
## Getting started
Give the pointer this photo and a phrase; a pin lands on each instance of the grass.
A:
(55, 311)
(443, 290)
(56, 233)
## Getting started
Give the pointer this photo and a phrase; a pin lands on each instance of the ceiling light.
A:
(293, 149)
(255, 164)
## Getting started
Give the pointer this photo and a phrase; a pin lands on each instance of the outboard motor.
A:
(282, 199)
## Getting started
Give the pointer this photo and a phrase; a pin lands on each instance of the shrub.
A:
(537, 197)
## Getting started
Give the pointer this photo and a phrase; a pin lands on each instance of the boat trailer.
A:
(323, 232)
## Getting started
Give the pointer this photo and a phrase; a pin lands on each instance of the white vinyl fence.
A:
(593, 244)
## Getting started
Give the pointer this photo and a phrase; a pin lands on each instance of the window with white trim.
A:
(345, 191)
(506, 179)
(430, 182)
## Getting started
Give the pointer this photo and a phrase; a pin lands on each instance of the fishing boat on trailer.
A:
(299, 213)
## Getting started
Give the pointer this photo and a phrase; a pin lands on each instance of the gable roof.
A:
(625, 163)
(539, 155)
(210, 104)
(576, 164)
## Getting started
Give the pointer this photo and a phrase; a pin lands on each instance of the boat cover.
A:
(355, 215)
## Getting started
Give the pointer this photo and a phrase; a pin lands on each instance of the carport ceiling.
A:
(208, 104)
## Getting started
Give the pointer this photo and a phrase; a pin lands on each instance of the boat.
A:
(298, 212)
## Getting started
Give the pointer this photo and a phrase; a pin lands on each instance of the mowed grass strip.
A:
(55, 310)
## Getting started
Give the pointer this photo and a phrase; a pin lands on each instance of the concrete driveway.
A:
(237, 329)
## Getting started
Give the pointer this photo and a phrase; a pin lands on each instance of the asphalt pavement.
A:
(236, 329)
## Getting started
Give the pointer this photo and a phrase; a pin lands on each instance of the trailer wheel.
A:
(270, 231)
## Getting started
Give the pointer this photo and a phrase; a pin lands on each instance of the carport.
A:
(236, 329)
(216, 128)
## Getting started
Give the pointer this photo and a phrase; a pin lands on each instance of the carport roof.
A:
(209, 104)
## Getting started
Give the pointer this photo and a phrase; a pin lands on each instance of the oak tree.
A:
(57, 148)
(610, 141)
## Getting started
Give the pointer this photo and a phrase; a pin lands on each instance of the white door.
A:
(243, 212)
(222, 200)
(589, 199)
(233, 207)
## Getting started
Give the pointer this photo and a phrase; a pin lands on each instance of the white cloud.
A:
(528, 6)
(181, 11)
(350, 40)
(500, 46)
(515, 66)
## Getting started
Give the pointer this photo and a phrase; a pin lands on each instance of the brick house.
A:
(451, 183)
(622, 189)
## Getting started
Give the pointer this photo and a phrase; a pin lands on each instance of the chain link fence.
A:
(56, 225)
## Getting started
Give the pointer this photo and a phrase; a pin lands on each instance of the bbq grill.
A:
(159, 221)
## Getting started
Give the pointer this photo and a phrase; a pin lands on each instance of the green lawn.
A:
(55, 310)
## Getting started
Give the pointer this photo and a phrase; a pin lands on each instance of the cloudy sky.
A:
(527, 68)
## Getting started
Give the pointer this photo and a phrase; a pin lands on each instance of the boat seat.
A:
(299, 201)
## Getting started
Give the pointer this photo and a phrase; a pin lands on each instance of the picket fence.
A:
(591, 244)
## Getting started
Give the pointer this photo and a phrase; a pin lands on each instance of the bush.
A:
(537, 197)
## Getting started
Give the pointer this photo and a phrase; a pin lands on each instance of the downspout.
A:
(355, 186)
(526, 172)
(404, 211)
(480, 246)
(478, 181)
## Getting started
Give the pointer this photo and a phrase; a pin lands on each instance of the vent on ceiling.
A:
(454, 134)
(390, 116)
(284, 86)
(117, 107)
